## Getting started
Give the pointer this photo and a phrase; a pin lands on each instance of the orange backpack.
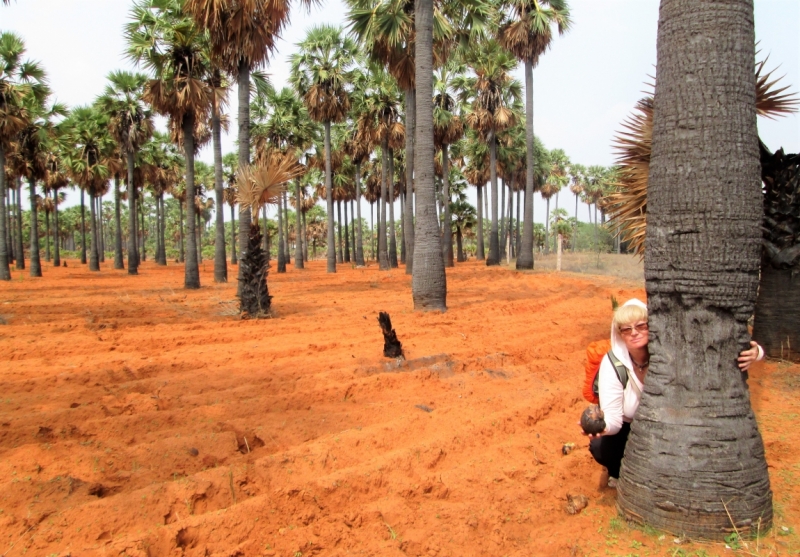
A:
(595, 353)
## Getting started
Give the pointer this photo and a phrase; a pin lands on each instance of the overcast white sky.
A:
(583, 88)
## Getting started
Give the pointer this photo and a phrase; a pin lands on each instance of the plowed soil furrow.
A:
(140, 419)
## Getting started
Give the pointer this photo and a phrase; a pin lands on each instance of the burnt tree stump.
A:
(392, 347)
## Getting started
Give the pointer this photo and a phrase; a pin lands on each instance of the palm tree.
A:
(477, 174)
(281, 121)
(131, 125)
(527, 33)
(577, 173)
(32, 146)
(557, 178)
(319, 73)
(56, 180)
(258, 185)
(18, 80)
(88, 144)
(695, 461)
(242, 34)
(492, 93)
(168, 43)
(428, 283)
(447, 129)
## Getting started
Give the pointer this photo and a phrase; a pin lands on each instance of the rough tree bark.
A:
(133, 260)
(36, 263)
(694, 463)
(408, 214)
(118, 261)
(329, 200)
(220, 258)
(429, 282)
(191, 270)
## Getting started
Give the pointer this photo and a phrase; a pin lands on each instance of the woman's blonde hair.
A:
(629, 314)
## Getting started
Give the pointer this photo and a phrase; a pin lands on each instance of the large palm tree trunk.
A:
(220, 258)
(517, 240)
(83, 228)
(56, 232)
(234, 259)
(20, 255)
(346, 236)
(47, 252)
(5, 272)
(118, 261)
(281, 253)
(133, 262)
(298, 252)
(339, 254)
(191, 271)
(447, 236)
(36, 263)
(502, 224)
(479, 251)
(182, 233)
(383, 253)
(694, 463)
(329, 200)
(429, 283)
(494, 239)
(94, 249)
(390, 200)
(525, 256)
(547, 228)
(287, 251)
(243, 83)
(101, 239)
(408, 214)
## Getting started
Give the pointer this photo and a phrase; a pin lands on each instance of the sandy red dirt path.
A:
(137, 418)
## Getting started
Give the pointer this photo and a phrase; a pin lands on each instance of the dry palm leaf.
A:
(627, 206)
(259, 185)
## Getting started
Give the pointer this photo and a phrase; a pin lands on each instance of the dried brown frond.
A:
(261, 184)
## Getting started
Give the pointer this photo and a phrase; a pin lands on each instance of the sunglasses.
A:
(638, 327)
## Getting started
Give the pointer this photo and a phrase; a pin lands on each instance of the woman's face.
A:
(635, 335)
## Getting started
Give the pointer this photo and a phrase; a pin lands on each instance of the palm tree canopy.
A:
(18, 80)
(130, 121)
(527, 28)
(241, 31)
(492, 92)
(87, 144)
(168, 43)
(320, 72)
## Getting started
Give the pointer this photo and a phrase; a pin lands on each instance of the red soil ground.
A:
(140, 419)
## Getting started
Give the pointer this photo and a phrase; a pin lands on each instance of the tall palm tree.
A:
(695, 460)
(320, 74)
(88, 145)
(243, 34)
(557, 178)
(492, 93)
(477, 174)
(131, 125)
(19, 79)
(577, 173)
(527, 32)
(56, 180)
(281, 121)
(33, 145)
(447, 129)
(168, 43)
(429, 282)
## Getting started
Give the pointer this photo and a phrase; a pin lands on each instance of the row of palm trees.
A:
(367, 83)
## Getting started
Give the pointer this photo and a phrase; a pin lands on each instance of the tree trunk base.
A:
(254, 299)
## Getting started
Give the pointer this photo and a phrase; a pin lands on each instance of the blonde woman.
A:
(629, 339)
